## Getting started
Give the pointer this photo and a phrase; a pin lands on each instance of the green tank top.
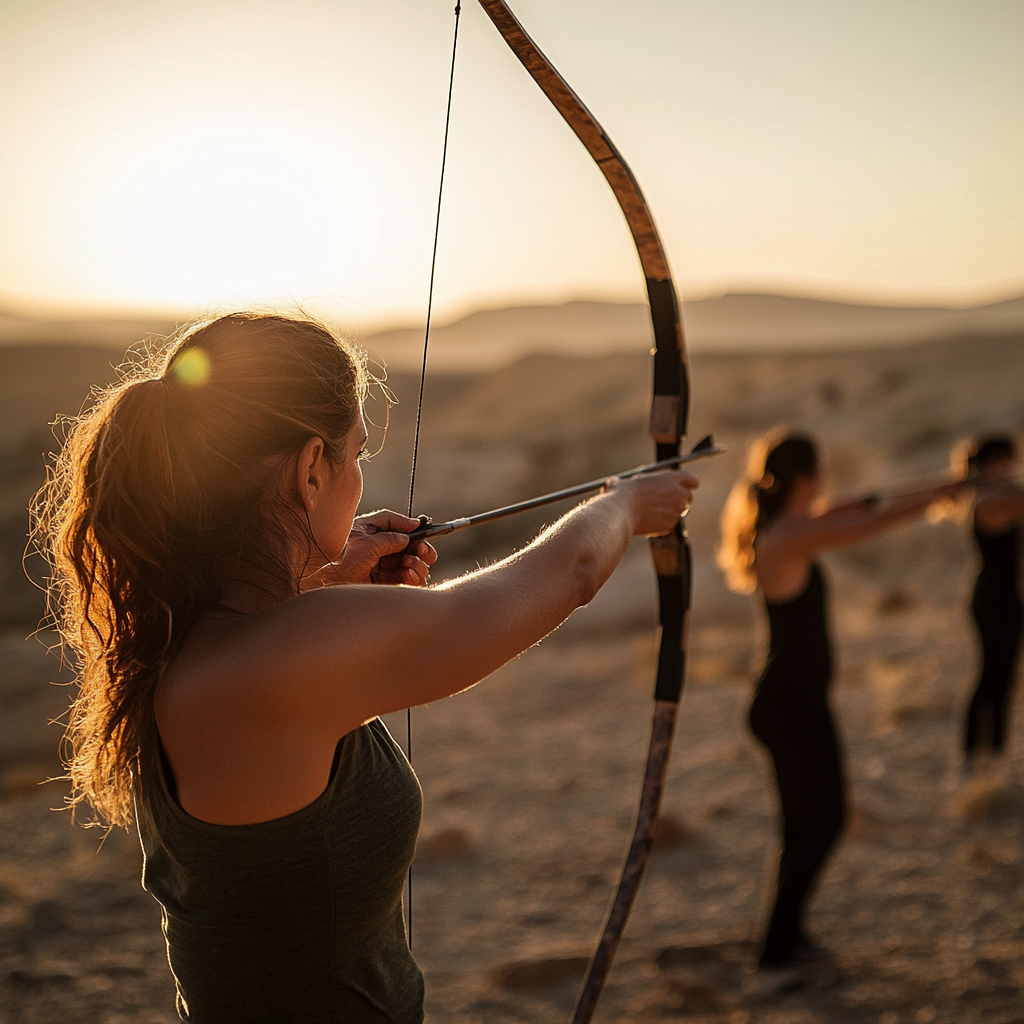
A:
(296, 920)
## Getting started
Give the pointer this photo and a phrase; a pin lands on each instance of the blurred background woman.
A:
(774, 526)
(998, 514)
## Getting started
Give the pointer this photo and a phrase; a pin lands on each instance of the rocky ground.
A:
(531, 779)
(922, 907)
(530, 784)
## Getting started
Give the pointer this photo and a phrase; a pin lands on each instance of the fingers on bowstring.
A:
(425, 552)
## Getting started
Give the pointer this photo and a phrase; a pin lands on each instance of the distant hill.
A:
(733, 323)
(101, 332)
(498, 337)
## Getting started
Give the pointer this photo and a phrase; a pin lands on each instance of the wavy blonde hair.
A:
(775, 461)
(163, 492)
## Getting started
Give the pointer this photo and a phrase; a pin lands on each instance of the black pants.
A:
(998, 620)
(800, 736)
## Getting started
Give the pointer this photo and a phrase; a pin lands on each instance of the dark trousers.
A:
(800, 736)
(998, 621)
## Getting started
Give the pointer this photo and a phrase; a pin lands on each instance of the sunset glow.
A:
(194, 155)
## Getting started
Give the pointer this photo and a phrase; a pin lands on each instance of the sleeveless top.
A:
(799, 652)
(1000, 563)
(297, 920)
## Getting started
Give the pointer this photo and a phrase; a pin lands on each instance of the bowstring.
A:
(423, 373)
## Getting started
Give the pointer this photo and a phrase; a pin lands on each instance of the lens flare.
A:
(192, 367)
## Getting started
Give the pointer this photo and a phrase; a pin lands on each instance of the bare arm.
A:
(339, 656)
(850, 523)
(253, 706)
(785, 549)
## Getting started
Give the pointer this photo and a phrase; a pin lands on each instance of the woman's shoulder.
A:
(261, 638)
(226, 644)
(281, 663)
(778, 538)
(782, 569)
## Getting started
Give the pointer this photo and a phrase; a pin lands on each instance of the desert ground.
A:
(530, 780)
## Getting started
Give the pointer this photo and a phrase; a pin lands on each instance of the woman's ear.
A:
(310, 468)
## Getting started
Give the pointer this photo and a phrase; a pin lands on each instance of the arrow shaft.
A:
(702, 451)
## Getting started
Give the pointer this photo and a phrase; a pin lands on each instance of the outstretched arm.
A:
(259, 701)
(853, 521)
(338, 656)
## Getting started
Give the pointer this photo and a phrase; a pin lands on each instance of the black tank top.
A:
(296, 920)
(799, 651)
(1000, 562)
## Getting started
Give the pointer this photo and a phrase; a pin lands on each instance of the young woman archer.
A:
(774, 526)
(238, 640)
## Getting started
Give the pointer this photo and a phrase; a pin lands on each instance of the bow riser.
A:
(670, 406)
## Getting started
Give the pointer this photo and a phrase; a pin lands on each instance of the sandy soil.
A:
(531, 780)
(530, 783)
(922, 906)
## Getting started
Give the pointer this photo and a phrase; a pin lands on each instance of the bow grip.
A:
(673, 563)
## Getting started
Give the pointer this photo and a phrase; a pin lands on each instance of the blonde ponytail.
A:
(774, 463)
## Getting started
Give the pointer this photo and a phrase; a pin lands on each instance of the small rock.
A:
(47, 918)
(447, 844)
(123, 971)
(541, 917)
(539, 974)
(984, 858)
(720, 812)
(864, 823)
(771, 982)
(22, 979)
(691, 993)
(894, 601)
(913, 711)
(670, 834)
(25, 979)
(736, 956)
(980, 799)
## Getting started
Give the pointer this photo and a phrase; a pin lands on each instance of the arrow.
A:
(702, 450)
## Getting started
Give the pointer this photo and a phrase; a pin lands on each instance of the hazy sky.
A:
(199, 153)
